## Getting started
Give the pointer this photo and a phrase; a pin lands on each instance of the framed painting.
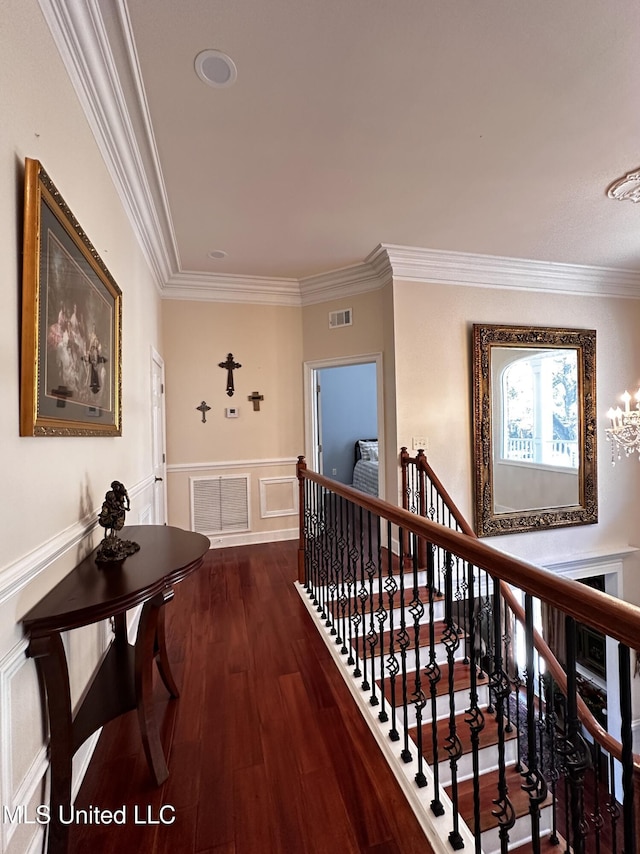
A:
(71, 382)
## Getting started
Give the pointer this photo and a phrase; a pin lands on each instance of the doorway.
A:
(316, 431)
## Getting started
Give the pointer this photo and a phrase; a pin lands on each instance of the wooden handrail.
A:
(421, 462)
(557, 671)
(613, 617)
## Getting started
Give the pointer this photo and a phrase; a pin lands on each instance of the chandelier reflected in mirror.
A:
(624, 433)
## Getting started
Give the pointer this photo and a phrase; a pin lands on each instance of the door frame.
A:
(311, 425)
(159, 438)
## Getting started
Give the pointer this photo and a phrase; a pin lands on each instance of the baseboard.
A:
(223, 541)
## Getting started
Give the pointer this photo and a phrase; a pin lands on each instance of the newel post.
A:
(301, 467)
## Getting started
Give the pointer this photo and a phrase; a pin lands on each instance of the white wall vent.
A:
(220, 504)
(340, 318)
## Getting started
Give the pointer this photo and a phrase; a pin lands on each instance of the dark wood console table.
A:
(123, 682)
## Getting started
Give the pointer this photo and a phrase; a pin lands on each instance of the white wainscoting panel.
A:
(24, 754)
(278, 496)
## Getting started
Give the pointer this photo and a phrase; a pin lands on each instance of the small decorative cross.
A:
(204, 409)
(230, 366)
(256, 397)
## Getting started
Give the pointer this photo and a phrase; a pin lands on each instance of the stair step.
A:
(461, 681)
(407, 597)
(488, 792)
(487, 757)
(439, 628)
(488, 736)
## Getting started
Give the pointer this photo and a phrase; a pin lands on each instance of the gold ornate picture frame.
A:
(71, 382)
(546, 480)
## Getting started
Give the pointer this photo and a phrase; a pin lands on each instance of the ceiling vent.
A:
(340, 318)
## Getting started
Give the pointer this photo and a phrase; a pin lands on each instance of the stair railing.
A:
(409, 627)
(424, 494)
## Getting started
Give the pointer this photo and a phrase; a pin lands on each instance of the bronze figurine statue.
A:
(114, 507)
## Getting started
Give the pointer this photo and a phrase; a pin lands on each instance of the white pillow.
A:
(368, 450)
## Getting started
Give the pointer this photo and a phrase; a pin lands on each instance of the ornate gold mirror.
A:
(534, 426)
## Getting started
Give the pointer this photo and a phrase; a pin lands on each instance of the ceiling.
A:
(492, 127)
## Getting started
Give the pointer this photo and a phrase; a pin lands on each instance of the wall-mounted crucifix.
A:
(230, 366)
(204, 409)
(256, 397)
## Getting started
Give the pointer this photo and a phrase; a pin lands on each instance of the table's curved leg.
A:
(51, 661)
(164, 668)
(144, 655)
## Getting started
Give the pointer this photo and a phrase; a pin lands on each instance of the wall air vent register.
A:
(340, 318)
(220, 505)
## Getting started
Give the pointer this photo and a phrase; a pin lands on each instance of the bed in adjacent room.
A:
(365, 469)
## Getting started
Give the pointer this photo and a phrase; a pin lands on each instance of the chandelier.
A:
(624, 433)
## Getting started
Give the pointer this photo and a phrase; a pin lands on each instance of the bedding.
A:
(365, 469)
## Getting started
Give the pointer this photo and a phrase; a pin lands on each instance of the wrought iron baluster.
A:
(363, 596)
(308, 577)
(551, 724)
(334, 564)
(596, 816)
(318, 569)
(392, 665)
(381, 617)
(574, 748)
(433, 674)
(460, 596)
(371, 637)
(416, 609)
(452, 743)
(500, 688)
(489, 658)
(517, 682)
(353, 609)
(628, 805)
(612, 807)
(534, 783)
(344, 599)
(404, 640)
(473, 715)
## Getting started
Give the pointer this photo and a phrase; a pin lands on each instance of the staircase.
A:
(492, 755)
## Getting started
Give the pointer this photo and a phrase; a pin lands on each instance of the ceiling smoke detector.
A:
(216, 68)
(217, 254)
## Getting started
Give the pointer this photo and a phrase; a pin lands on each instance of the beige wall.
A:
(434, 394)
(267, 342)
(53, 487)
(364, 336)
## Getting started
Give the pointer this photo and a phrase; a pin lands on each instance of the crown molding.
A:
(232, 288)
(492, 271)
(113, 100)
(344, 282)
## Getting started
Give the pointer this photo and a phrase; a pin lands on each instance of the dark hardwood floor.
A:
(267, 751)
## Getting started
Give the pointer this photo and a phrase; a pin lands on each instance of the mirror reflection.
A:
(535, 438)
(534, 428)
